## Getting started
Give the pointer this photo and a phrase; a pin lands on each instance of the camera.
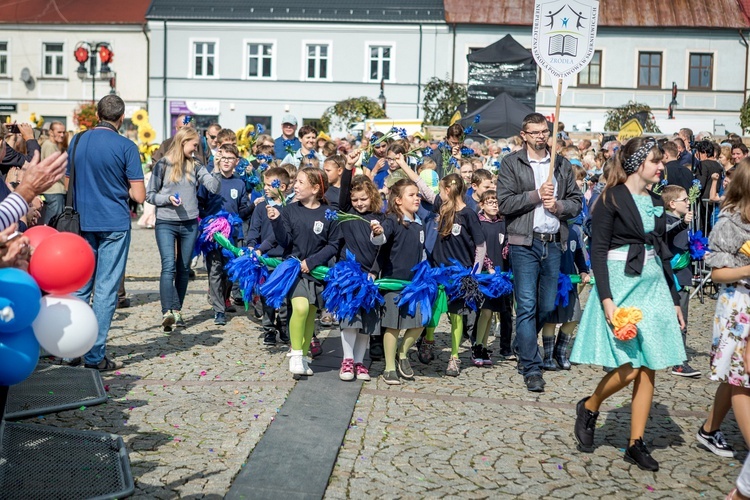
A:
(12, 128)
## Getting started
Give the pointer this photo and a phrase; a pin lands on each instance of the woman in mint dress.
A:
(630, 261)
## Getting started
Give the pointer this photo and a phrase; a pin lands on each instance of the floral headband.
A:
(634, 161)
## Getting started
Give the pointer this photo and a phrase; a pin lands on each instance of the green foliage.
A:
(618, 116)
(441, 98)
(745, 116)
(348, 112)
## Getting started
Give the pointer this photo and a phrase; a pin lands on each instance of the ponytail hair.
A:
(316, 177)
(364, 183)
(456, 189)
(397, 191)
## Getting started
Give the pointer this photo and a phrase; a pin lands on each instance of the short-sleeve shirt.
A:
(105, 163)
(461, 244)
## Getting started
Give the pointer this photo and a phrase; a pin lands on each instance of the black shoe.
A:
(685, 370)
(220, 319)
(376, 350)
(106, 365)
(239, 302)
(283, 336)
(269, 338)
(534, 383)
(639, 455)
(585, 426)
(123, 303)
(191, 274)
(73, 362)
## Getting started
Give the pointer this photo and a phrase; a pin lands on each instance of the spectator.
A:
(739, 152)
(676, 174)
(10, 157)
(200, 154)
(307, 135)
(54, 197)
(210, 145)
(288, 128)
(685, 157)
(107, 173)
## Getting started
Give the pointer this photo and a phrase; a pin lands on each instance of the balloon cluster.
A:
(63, 325)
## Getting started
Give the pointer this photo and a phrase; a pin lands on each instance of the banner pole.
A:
(553, 154)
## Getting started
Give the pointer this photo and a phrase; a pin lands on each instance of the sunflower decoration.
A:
(38, 121)
(140, 117)
(246, 140)
(146, 134)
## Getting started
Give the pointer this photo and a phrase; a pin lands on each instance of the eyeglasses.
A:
(490, 202)
(683, 200)
(536, 132)
(381, 145)
(212, 137)
(225, 159)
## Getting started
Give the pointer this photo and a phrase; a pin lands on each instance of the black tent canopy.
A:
(506, 50)
(500, 118)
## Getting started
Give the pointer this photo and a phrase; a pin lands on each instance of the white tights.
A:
(354, 344)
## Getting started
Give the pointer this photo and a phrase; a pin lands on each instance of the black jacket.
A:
(678, 175)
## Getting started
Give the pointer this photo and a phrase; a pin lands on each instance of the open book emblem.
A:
(563, 45)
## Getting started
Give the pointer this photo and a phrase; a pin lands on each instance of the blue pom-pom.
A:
(495, 285)
(564, 287)
(277, 286)
(349, 290)
(248, 272)
(463, 285)
(421, 292)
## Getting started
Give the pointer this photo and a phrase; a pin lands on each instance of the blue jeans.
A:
(54, 204)
(535, 272)
(111, 254)
(175, 240)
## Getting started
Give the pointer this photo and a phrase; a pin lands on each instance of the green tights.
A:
(483, 326)
(302, 324)
(390, 344)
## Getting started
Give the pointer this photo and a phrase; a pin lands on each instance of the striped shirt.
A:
(12, 209)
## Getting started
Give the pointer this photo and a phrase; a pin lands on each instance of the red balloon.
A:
(37, 234)
(62, 263)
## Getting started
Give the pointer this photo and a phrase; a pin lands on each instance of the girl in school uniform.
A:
(460, 238)
(402, 238)
(358, 196)
(303, 229)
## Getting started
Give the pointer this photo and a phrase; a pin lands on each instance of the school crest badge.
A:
(456, 229)
(421, 237)
(318, 227)
(234, 193)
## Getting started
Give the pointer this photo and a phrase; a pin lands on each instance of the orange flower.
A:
(626, 315)
(627, 332)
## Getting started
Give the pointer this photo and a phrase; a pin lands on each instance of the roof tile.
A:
(74, 12)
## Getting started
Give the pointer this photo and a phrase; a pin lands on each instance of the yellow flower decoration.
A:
(626, 315)
(146, 135)
(745, 249)
(140, 117)
(32, 118)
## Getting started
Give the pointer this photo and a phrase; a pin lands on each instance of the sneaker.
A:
(106, 365)
(306, 364)
(239, 302)
(390, 378)
(167, 320)
(685, 370)
(178, 321)
(123, 303)
(639, 455)
(269, 338)
(508, 355)
(476, 355)
(220, 319)
(362, 372)
(715, 443)
(424, 350)
(326, 319)
(585, 426)
(229, 307)
(346, 373)
(295, 363)
(453, 368)
(486, 357)
(534, 383)
(283, 337)
(404, 369)
(315, 348)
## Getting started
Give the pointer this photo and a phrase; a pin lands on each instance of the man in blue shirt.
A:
(107, 173)
(288, 130)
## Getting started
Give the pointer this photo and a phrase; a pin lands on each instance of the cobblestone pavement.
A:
(191, 406)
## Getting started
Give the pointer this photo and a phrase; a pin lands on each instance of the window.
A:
(53, 59)
(649, 70)
(3, 58)
(317, 61)
(205, 59)
(380, 62)
(591, 75)
(260, 60)
(701, 71)
(263, 120)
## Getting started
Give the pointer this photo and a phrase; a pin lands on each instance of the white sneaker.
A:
(306, 364)
(296, 365)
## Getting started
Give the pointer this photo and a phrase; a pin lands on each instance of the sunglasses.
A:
(212, 137)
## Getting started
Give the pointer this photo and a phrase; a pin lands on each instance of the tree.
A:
(441, 98)
(344, 114)
(745, 116)
(618, 116)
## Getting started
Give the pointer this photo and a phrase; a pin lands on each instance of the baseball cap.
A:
(289, 118)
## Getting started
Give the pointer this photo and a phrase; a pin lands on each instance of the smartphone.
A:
(13, 128)
(11, 237)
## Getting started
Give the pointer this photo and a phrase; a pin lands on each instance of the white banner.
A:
(563, 37)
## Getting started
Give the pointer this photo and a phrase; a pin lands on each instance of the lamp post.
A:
(87, 52)
(670, 109)
(381, 97)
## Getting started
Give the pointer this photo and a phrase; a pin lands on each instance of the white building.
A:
(38, 70)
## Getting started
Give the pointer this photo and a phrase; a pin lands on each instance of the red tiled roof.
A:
(614, 13)
(73, 11)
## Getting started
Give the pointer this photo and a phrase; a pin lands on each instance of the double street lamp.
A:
(87, 52)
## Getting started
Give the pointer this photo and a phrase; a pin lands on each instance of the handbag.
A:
(69, 220)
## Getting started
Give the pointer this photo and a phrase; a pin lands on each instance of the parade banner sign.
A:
(563, 37)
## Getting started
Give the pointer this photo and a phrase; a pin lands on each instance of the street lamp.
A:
(381, 97)
(670, 109)
(87, 51)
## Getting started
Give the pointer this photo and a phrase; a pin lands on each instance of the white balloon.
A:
(66, 326)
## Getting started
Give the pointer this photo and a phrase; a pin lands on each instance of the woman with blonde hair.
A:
(172, 189)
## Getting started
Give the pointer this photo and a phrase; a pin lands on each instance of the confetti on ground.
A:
(118, 373)
(256, 416)
(82, 408)
(484, 459)
(211, 450)
(163, 356)
(236, 392)
(559, 467)
(649, 488)
(204, 373)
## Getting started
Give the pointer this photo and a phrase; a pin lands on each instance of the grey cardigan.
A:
(160, 189)
(518, 197)
(725, 241)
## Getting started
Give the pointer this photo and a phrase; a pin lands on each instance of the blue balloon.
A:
(19, 300)
(19, 353)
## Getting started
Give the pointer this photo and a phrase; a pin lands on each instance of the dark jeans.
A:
(175, 241)
(54, 204)
(535, 272)
(219, 286)
(275, 320)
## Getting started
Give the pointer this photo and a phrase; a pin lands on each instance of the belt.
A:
(547, 237)
(623, 254)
